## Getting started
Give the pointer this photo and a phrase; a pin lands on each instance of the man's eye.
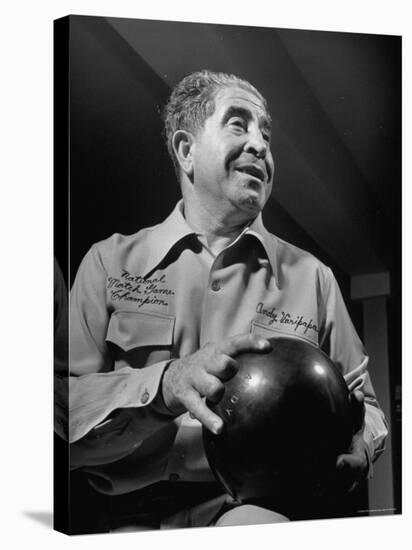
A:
(266, 136)
(238, 122)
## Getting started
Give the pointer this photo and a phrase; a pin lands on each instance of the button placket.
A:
(216, 283)
(214, 293)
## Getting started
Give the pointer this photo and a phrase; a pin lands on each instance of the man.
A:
(158, 318)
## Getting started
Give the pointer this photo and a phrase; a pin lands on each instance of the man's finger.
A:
(243, 343)
(349, 469)
(212, 388)
(358, 409)
(224, 368)
(197, 407)
(348, 461)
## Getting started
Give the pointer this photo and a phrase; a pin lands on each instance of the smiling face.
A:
(232, 163)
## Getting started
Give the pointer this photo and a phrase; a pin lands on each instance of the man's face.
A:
(233, 165)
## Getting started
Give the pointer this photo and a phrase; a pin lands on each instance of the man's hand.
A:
(352, 467)
(186, 381)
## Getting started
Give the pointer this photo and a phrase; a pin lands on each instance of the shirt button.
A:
(145, 397)
(216, 286)
(174, 477)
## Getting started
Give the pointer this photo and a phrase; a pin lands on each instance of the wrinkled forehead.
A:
(235, 96)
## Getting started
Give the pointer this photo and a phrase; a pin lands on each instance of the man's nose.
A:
(256, 144)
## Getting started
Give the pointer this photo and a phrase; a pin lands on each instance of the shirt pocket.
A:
(140, 339)
(269, 332)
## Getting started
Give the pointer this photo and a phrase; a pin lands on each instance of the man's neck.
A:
(218, 228)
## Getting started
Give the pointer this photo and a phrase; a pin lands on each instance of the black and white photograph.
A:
(227, 283)
(205, 215)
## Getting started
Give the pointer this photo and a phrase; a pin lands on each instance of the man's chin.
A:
(252, 203)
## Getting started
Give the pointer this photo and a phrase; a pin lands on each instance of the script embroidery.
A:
(134, 288)
(297, 322)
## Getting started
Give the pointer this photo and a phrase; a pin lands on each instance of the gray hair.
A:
(192, 102)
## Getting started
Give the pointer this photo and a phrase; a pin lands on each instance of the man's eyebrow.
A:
(235, 110)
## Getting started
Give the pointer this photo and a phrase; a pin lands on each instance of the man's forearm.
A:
(112, 413)
(119, 435)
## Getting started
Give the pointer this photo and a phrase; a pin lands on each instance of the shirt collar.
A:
(165, 235)
(268, 241)
(175, 228)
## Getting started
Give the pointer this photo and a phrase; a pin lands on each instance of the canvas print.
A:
(227, 275)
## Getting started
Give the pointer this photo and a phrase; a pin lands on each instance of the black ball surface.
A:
(287, 417)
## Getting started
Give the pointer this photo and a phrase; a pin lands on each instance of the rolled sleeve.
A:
(374, 433)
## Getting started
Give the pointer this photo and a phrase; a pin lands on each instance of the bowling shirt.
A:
(140, 301)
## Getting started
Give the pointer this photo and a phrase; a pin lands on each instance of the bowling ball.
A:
(287, 417)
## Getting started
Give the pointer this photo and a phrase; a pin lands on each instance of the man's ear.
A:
(183, 144)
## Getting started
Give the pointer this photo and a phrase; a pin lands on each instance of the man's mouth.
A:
(252, 170)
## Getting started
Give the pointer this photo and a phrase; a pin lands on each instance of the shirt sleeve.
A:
(110, 411)
(341, 342)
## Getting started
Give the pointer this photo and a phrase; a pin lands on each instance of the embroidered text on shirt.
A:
(298, 322)
(134, 288)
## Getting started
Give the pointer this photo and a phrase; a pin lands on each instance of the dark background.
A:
(335, 100)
